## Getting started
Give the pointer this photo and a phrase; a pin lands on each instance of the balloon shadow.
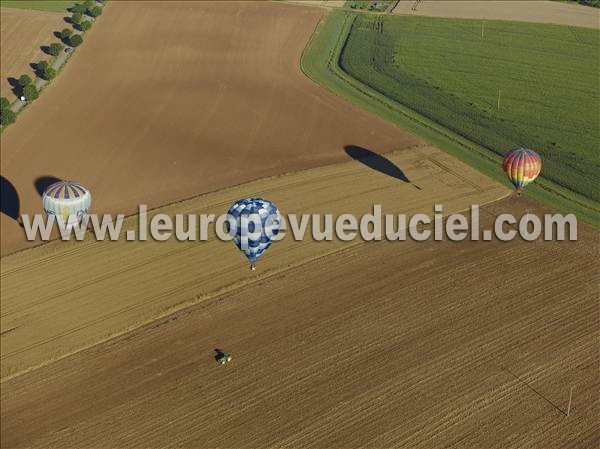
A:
(43, 182)
(9, 199)
(377, 162)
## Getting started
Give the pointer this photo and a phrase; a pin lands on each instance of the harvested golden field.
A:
(384, 344)
(163, 115)
(23, 34)
(46, 313)
(543, 11)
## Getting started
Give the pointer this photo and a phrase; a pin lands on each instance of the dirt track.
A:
(142, 114)
(23, 33)
(419, 345)
(544, 11)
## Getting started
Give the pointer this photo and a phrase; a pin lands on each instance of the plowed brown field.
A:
(23, 34)
(417, 345)
(166, 100)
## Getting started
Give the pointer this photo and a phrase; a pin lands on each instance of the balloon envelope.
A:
(522, 166)
(253, 223)
(69, 201)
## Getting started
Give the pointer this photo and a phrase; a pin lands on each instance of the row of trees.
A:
(89, 8)
(592, 3)
(26, 86)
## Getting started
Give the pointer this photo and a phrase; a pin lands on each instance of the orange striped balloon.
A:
(522, 166)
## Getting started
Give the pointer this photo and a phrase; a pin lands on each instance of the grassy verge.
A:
(321, 62)
(39, 5)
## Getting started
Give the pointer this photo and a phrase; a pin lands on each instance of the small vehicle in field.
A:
(222, 357)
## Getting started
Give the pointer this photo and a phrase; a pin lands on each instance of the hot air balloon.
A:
(69, 201)
(522, 166)
(255, 222)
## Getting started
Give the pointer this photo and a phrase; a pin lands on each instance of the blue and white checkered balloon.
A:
(253, 222)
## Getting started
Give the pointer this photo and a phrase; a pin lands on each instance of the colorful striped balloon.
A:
(522, 166)
(69, 201)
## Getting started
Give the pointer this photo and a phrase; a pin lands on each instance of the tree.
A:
(24, 80)
(55, 48)
(86, 25)
(40, 67)
(7, 116)
(76, 40)
(79, 8)
(95, 11)
(30, 92)
(66, 33)
(76, 18)
(4, 104)
(49, 74)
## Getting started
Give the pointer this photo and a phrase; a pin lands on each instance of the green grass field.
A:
(40, 5)
(439, 79)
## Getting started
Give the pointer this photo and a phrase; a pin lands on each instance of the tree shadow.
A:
(65, 41)
(45, 49)
(39, 70)
(9, 199)
(59, 36)
(16, 88)
(377, 162)
(13, 81)
(43, 182)
(36, 69)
